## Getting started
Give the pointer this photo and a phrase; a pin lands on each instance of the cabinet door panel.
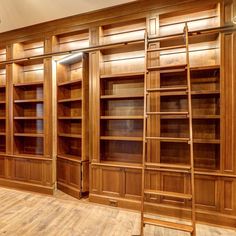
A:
(132, 183)
(111, 181)
(207, 192)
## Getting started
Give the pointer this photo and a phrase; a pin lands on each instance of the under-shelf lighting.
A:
(70, 58)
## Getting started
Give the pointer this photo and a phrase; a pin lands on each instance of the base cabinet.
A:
(117, 182)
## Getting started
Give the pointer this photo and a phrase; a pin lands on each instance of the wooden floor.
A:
(30, 214)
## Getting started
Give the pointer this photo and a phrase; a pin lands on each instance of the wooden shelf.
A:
(69, 117)
(71, 82)
(28, 118)
(29, 101)
(167, 67)
(29, 135)
(195, 117)
(69, 100)
(69, 135)
(121, 117)
(37, 83)
(2, 118)
(207, 141)
(2, 133)
(122, 75)
(120, 164)
(70, 157)
(193, 93)
(204, 68)
(122, 138)
(2, 102)
(131, 96)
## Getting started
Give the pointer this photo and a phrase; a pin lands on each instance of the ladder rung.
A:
(167, 89)
(166, 48)
(166, 139)
(173, 166)
(170, 67)
(168, 194)
(169, 225)
(168, 113)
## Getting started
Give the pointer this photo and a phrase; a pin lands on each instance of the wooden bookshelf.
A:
(72, 151)
(28, 101)
(70, 41)
(3, 111)
(28, 49)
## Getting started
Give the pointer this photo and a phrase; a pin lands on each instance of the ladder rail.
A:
(144, 133)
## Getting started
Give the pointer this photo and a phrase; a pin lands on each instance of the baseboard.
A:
(202, 216)
(26, 186)
(74, 192)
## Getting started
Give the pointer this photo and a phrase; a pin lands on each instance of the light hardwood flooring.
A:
(31, 214)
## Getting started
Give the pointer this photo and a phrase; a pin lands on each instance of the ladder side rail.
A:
(190, 130)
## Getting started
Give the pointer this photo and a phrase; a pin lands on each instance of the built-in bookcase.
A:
(123, 31)
(28, 49)
(28, 107)
(121, 103)
(3, 53)
(72, 152)
(71, 41)
(2, 109)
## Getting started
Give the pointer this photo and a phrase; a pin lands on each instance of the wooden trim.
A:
(26, 186)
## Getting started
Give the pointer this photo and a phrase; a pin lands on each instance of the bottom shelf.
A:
(121, 151)
(29, 146)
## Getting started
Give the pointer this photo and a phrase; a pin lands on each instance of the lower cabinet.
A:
(72, 177)
(119, 182)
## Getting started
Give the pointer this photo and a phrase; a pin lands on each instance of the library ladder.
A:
(159, 167)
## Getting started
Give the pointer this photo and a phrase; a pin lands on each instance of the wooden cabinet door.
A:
(111, 181)
(69, 173)
(132, 183)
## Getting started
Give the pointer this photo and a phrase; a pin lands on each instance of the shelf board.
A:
(70, 157)
(29, 135)
(122, 138)
(70, 135)
(193, 93)
(201, 68)
(121, 117)
(206, 141)
(69, 117)
(120, 164)
(130, 96)
(69, 100)
(2, 118)
(2, 133)
(69, 82)
(197, 117)
(37, 83)
(2, 102)
(167, 67)
(29, 101)
(31, 156)
(2, 86)
(122, 75)
(28, 118)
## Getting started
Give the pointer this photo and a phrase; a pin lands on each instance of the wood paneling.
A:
(229, 102)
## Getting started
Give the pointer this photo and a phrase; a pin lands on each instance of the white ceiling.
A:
(20, 13)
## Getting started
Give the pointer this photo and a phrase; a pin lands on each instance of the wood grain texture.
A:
(23, 213)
